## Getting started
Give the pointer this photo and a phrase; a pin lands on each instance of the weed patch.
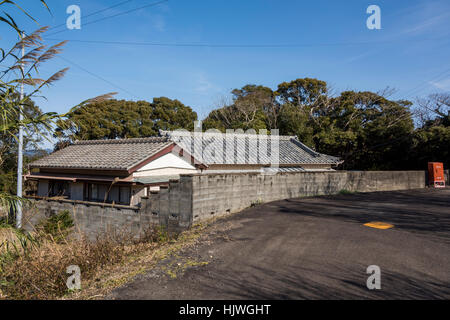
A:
(344, 191)
(33, 266)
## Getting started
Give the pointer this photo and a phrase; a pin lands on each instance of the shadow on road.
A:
(421, 211)
(312, 283)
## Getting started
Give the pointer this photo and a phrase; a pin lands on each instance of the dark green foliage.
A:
(431, 144)
(294, 122)
(432, 139)
(8, 148)
(346, 192)
(302, 92)
(253, 107)
(57, 226)
(365, 129)
(114, 119)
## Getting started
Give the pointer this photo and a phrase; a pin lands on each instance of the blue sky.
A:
(332, 43)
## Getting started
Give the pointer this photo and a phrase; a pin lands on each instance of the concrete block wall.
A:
(171, 206)
(195, 198)
(220, 194)
(92, 219)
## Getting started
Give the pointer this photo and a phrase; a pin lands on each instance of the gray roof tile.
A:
(206, 148)
(104, 154)
(218, 148)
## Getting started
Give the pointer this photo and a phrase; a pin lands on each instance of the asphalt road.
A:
(314, 248)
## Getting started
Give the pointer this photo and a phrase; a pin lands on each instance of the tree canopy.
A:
(9, 144)
(366, 129)
(252, 107)
(113, 119)
(432, 139)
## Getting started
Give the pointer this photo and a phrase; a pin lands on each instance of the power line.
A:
(206, 45)
(97, 76)
(115, 15)
(424, 84)
(94, 75)
(99, 20)
(94, 13)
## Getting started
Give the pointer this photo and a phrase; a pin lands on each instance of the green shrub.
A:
(57, 226)
(344, 191)
(36, 268)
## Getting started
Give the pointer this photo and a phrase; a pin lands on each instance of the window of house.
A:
(105, 193)
(59, 189)
(125, 195)
(114, 195)
(94, 192)
(102, 190)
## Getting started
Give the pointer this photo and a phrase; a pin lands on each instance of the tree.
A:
(366, 130)
(304, 92)
(432, 139)
(22, 71)
(115, 119)
(170, 114)
(294, 121)
(434, 110)
(9, 145)
(252, 107)
(303, 102)
(431, 144)
(16, 71)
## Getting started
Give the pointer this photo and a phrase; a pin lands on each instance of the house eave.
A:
(78, 178)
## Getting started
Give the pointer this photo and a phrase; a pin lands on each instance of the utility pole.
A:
(20, 149)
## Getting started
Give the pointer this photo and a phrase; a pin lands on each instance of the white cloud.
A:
(443, 84)
(159, 23)
(427, 24)
(203, 85)
(156, 19)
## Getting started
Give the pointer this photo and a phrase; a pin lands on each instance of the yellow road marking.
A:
(379, 225)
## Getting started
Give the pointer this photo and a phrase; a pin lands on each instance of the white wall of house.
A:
(168, 164)
(137, 192)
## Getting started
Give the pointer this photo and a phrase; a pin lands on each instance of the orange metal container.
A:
(436, 176)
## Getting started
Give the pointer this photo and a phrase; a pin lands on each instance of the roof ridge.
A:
(212, 134)
(122, 141)
(300, 144)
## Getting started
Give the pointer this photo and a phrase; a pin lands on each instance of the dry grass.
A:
(33, 266)
(7, 234)
(143, 259)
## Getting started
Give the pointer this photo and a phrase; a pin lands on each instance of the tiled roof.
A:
(121, 154)
(206, 148)
(218, 148)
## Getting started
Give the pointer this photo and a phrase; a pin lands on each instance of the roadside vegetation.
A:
(33, 265)
(345, 192)
(369, 130)
(19, 71)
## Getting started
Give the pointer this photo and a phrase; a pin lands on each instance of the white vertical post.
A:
(20, 151)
